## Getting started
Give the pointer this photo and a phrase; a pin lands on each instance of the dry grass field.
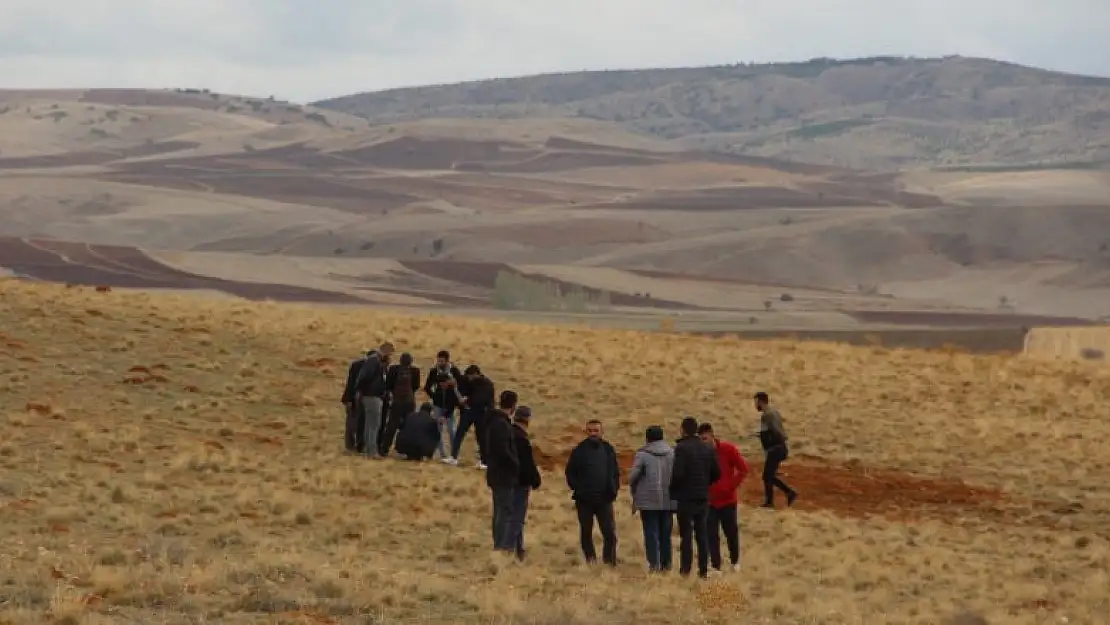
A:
(1091, 343)
(176, 459)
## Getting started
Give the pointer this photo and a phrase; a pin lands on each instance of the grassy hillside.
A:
(177, 460)
(870, 113)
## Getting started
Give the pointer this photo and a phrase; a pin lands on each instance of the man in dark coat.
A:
(402, 380)
(370, 394)
(478, 397)
(352, 436)
(503, 469)
(695, 470)
(593, 475)
(442, 386)
(772, 436)
(419, 434)
(528, 480)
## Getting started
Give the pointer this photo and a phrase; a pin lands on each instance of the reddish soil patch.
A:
(115, 266)
(850, 490)
(996, 340)
(484, 275)
(414, 153)
(966, 319)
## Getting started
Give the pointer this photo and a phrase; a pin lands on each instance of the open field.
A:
(177, 459)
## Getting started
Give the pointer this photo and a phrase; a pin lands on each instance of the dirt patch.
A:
(568, 233)
(739, 198)
(851, 490)
(993, 340)
(965, 319)
(671, 275)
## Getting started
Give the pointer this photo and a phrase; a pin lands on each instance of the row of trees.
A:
(512, 291)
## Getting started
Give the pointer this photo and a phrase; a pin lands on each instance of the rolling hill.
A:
(879, 113)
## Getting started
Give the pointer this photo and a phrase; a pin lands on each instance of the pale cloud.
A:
(310, 49)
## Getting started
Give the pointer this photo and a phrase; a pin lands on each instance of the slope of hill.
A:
(870, 113)
(187, 466)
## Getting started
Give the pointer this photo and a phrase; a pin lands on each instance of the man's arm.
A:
(614, 469)
(349, 386)
(741, 469)
(415, 381)
(571, 470)
(429, 382)
(639, 464)
(528, 467)
(678, 469)
(714, 466)
(391, 377)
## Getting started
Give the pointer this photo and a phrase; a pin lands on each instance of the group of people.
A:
(695, 482)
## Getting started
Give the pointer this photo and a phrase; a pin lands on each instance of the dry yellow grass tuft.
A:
(1088, 343)
(176, 459)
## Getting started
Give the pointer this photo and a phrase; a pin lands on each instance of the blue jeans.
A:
(516, 519)
(657, 538)
(449, 422)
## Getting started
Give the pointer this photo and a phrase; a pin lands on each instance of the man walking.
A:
(724, 499)
(477, 401)
(352, 432)
(772, 436)
(401, 381)
(503, 472)
(593, 476)
(695, 470)
(419, 434)
(649, 480)
(528, 480)
(370, 392)
(442, 387)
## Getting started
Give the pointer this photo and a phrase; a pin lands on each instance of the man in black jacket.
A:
(593, 476)
(503, 471)
(478, 395)
(527, 481)
(352, 437)
(442, 386)
(370, 392)
(772, 437)
(419, 434)
(695, 469)
(402, 380)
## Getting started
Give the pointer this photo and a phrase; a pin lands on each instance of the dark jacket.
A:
(592, 471)
(695, 469)
(371, 378)
(444, 398)
(771, 432)
(502, 461)
(419, 435)
(402, 396)
(529, 472)
(352, 376)
(479, 394)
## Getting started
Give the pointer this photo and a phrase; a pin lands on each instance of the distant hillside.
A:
(872, 113)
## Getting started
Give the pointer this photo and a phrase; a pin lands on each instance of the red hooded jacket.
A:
(734, 468)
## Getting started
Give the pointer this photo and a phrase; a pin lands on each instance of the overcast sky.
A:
(305, 50)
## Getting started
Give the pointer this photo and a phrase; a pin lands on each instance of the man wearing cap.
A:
(527, 481)
(478, 396)
(370, 392)
(503, 470)
(352, 437)
(419, 434)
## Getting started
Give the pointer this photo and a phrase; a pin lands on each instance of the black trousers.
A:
(467, 418)
(773, 458)
(393, 422)
(588, 510)
(692, 526)
(723, 519)
(352, 435)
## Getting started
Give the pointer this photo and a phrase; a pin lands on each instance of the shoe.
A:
(450, 461)
(791, 498)
(714, 573)
(481, 467)
(768, 505)
(736, 568)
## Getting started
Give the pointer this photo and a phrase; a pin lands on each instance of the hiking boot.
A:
(791, 497)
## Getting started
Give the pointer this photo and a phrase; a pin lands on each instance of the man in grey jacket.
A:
(649, 481)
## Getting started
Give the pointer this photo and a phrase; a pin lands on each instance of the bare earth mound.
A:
(188, 466)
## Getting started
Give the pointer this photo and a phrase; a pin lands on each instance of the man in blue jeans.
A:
(442, 386)
(649, 480)
(528, 481)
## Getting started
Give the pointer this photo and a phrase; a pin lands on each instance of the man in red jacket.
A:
(724, 499)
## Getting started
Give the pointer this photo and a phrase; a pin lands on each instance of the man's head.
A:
(443, 358)
(762, 400)
(523, 416)
(507, 401)
(689, 426)
(406, 359)
(472, 372)
(653, 434)
(593, 429)
(705, 431)
(385, 351)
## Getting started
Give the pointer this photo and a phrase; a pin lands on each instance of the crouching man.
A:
(419, 435)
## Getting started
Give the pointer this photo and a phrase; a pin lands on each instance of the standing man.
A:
(370, 392)
(402, 380)
(695, 470)
(593, 476)
(649, 482)
(773, 438)
(353, 432)
(477, 401)
(724, 499)
(442, 387)
(503, 472)
(528, 480)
